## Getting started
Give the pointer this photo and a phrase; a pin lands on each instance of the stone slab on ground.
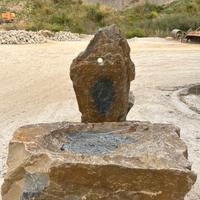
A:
(126, 160)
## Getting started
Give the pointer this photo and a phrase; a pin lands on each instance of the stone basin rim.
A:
(41, 134)
(87, 139)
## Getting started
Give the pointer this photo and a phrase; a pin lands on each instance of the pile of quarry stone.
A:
(64, 36)
(21, 37)
(30, 37)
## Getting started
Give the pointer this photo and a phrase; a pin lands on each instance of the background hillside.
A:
(122, 4)
(73, 15)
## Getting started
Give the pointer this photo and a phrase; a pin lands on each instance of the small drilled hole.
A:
(100, 61)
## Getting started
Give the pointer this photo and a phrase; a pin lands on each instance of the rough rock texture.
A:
(109, 161)
(101, 77)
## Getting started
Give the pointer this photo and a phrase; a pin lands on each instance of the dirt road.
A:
(35, 87)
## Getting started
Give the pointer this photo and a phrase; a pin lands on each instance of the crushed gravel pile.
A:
(21, 37)
(64, 36)
(30, 37)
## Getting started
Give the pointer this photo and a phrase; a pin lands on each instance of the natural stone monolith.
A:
(101, 77)
(102, 161)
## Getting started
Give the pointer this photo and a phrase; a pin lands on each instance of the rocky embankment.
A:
(30, 37)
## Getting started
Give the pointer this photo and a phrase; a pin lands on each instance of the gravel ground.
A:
(35, 87)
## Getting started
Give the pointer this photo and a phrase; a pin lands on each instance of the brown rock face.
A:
(109, 161)
(101, 77)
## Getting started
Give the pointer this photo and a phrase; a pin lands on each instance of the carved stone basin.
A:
(195, 90)
(87, 140)
(191, 97)
(109, 161)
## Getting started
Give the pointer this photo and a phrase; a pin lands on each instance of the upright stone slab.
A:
(102, 161)
(101, 77)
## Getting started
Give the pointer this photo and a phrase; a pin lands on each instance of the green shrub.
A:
(78, 28)
(135, 33)
(153, 14)
(94, 14)
(60, 18)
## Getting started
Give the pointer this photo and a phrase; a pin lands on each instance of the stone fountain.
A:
(103, 157)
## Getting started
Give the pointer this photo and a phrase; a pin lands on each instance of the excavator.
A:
(7, 17)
